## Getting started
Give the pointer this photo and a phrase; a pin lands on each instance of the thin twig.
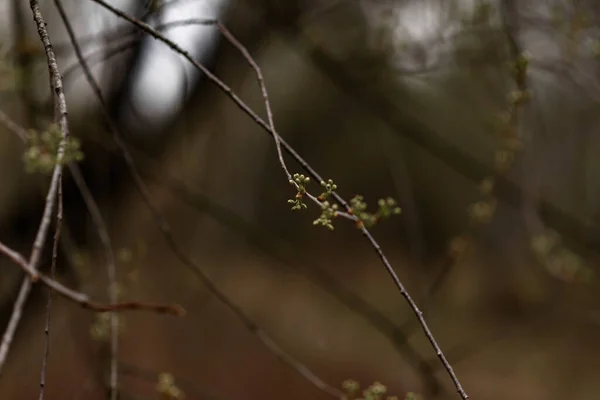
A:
(365, 232)
(15, 317)
(59, 220)
(103, 54)
(83, 299)
(102, 231)
(263, 88)
(167, 232)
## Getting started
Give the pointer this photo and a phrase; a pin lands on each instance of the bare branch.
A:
(59, 220)
(12, 126)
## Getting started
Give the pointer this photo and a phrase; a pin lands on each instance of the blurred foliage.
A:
(42, 150)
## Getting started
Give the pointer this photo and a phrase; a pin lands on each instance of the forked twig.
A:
(83, 299)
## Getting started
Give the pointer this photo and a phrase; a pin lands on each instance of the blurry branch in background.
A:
(148, 375)
(167, 231)
(111, 266)
(546, 245)
(82, 299)
(25, 52)
(279, 142)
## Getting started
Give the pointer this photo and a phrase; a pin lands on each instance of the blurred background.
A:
(479, 117)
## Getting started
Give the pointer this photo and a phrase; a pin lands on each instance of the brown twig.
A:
(57, 231)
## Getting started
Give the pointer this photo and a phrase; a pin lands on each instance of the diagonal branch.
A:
(59, 220)
(83, 299)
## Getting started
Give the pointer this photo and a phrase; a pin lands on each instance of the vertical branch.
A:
(60, 106)
(59, 219)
